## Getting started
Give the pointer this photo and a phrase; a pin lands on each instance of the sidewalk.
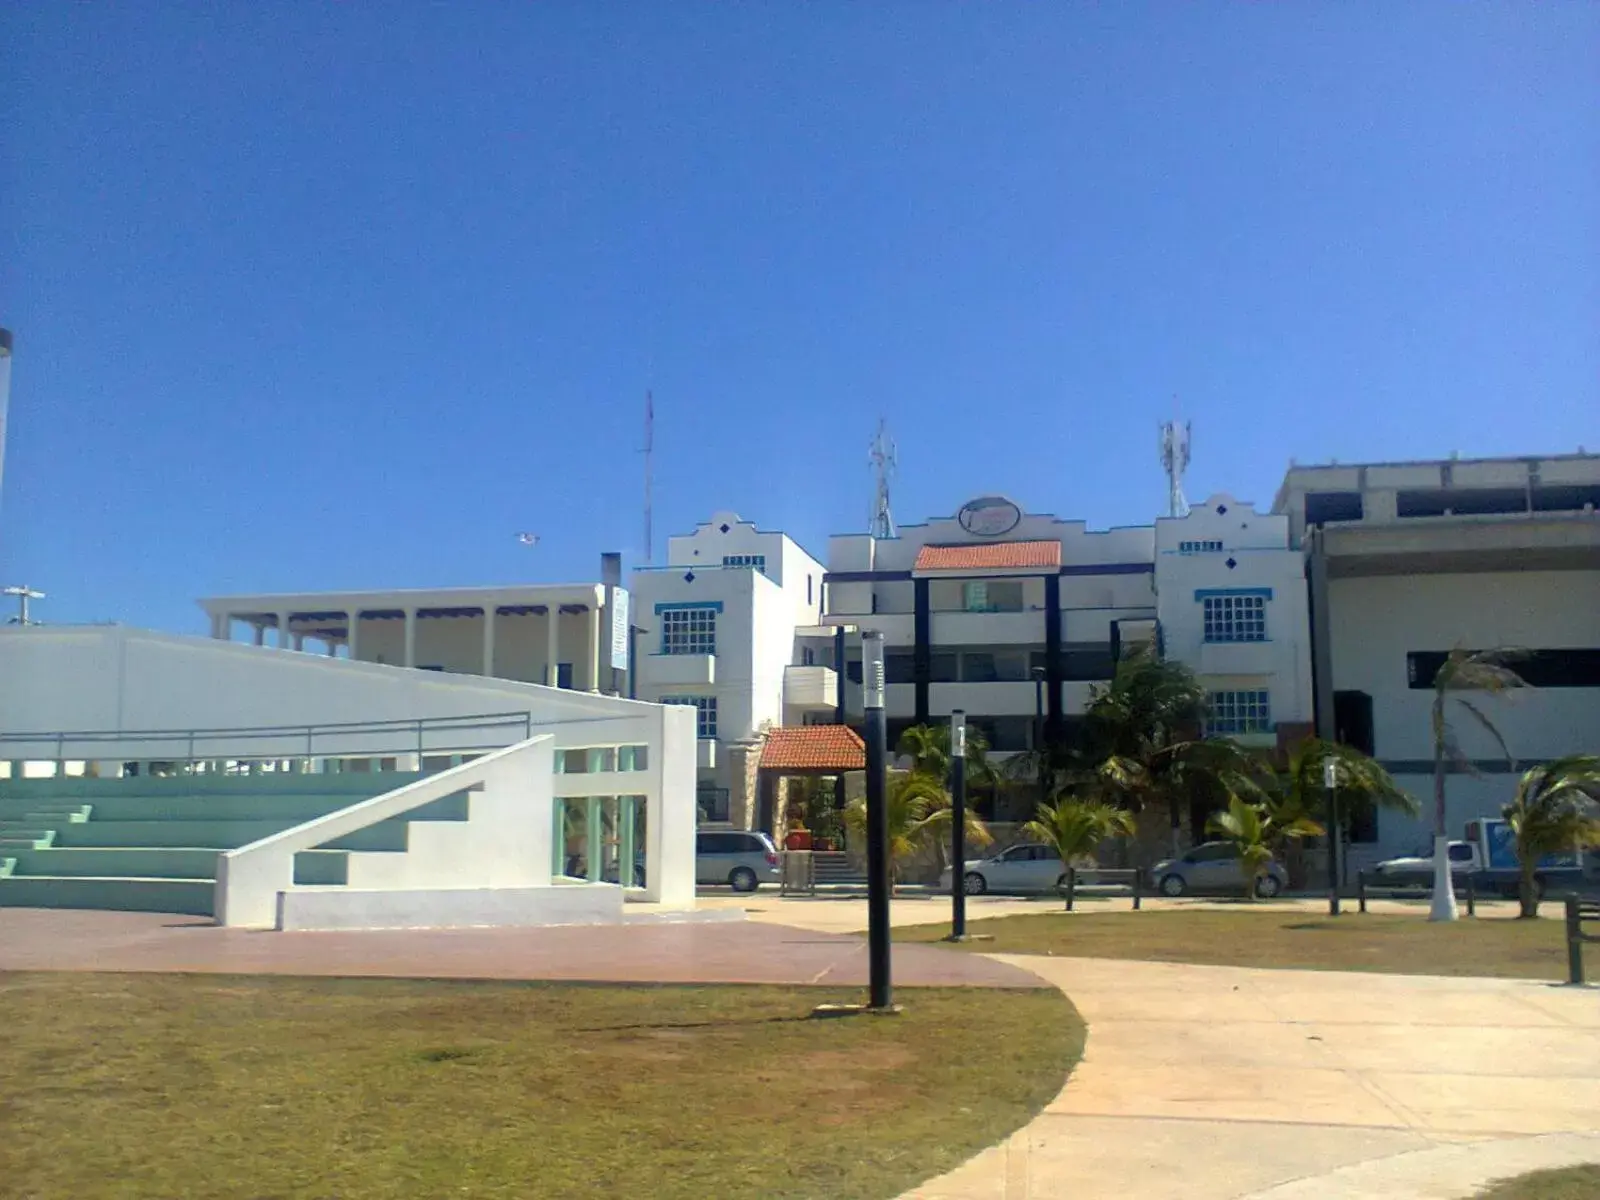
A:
(1216, 1083)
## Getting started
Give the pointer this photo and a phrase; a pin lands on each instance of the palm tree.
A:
(1141, 737)
(1556, 809)
(1075, 828)
(1462, 670)
(917, 810)
(1298, 791)
(1254, 831)
(928, 748)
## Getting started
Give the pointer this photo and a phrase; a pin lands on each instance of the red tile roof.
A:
(989, 556)
(814, 748)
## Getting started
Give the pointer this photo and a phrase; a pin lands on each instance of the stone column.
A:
(592, 650)
(219, 626)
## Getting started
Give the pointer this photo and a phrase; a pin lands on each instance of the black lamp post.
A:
(1330, 784)
(872, 693)
(958, 825)
(1038, 729)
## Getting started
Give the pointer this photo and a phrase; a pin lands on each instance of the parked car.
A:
(742, 859)
(1030, 867)
(1214, 867)
(1416, 869)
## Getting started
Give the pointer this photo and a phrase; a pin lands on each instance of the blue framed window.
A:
(705, 712)
(1240, 712)
(689, 630)
(1201, 547)
(1235, 616)
(758, 561)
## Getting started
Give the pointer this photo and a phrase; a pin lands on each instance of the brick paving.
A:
(710, 952)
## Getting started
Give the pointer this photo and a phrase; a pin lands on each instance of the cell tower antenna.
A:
(1174, 461)
(882, 457)
(649, 477)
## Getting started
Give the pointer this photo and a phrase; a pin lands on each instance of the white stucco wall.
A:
(1259, 546)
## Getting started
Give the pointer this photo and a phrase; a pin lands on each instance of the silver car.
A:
(1214, 867)
(740, 858)
(1030, 867)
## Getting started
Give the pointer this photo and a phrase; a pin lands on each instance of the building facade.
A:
(1407, 561)
(717, 630)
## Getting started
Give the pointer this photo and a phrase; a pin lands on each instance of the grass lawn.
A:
(1275, 938)
(197, 1086)
(1567, 1183)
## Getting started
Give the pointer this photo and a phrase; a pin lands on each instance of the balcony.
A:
(987, 628)
(681, 670)
(1237, 658)
(810, 688)
(705, 753)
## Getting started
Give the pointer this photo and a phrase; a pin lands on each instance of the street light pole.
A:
(958, 825)
(1330, 784)
(872, 691)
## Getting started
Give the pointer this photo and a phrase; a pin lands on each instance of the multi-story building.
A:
(717, 629)
(1409, 560)
(1014, 617)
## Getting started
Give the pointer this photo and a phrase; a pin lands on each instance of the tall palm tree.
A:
(1075, 828)
(928, 748)
(1462, 671)
(917, 811)
(1142, 743)
(1556, 809)
(1254, 831)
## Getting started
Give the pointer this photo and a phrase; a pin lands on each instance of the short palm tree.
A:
(917, 812)
(1556, 809)
(1462, 671)
(1075, 828)
(1299, 791)
(1253, 832)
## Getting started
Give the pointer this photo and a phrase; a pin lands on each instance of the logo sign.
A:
(619, 628)
(989, 516)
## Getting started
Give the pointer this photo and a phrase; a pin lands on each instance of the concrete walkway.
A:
(1215, 1083)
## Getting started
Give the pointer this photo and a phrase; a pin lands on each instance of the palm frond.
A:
(1483, 720)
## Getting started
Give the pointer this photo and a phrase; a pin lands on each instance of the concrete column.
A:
(283, 632)
(333, 648)
(552, 644)
(594, 840)
(298, 640)
(260, 633)
(350, 636)
(219, 626)
(488, 639)
(592, 651)
(411, 637)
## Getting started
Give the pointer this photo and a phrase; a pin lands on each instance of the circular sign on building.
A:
(989, 516)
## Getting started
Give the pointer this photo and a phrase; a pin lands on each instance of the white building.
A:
(1014, 617)
(562, 635)
(717, 629)
(1410, 560)
(267, 787)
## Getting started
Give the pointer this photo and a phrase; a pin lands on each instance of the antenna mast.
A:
(882, 458)
(1174, 461)
(24, 593)
(649, 473)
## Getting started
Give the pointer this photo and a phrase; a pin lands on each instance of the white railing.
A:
(512, 848)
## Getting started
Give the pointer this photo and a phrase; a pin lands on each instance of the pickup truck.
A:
(1489, 855)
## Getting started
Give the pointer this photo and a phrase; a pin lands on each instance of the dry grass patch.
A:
(1565, 1183)
(204, 1086)
(1409, 945)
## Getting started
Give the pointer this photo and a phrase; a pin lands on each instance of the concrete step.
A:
(195, 897)
(30, 810)
(7, 865)
(118, 863)
(36, 839)
(209, 835)
(289, 809)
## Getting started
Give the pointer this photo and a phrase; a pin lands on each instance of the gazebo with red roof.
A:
(805, 750)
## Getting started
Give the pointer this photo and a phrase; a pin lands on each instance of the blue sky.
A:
(314, 296)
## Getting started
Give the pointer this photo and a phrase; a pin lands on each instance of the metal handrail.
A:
(82, 739)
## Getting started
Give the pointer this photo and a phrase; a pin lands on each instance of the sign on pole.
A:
(619, 629)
